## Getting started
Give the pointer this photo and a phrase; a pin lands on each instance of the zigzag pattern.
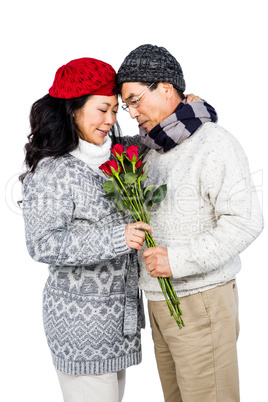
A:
(70, 226)
(76, 331)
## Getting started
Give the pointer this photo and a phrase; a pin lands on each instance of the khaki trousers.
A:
(198, 363)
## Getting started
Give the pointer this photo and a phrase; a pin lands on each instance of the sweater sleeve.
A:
(226, 186)
(55, 237)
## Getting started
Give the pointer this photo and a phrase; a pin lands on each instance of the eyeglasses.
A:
(135, 102)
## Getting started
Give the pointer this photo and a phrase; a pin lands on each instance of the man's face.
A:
(152, 107)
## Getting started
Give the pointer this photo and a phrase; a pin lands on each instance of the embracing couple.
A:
(98, 266)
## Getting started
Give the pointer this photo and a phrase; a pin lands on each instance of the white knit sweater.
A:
(210, 213)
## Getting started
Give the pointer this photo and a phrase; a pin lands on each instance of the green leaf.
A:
(128, 166)
(117, 185)
(108, 186)
(130, 178)
(148, 203)
(140, 169)
(143, 177)
(121, 205)
(109, 195)
(147, 191)
(159, 194)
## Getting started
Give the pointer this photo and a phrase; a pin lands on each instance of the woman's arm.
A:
(53, 234)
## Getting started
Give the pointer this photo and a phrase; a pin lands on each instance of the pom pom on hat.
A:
(85, 76)
(148, 63)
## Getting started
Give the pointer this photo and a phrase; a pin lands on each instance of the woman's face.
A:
(95, 119)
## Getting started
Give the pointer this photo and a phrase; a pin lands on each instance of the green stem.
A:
(169, 293)
(127, 194)
(146, 214)
(140, 204)
(122, 163)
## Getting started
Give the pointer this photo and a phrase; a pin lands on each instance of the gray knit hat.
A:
(148, 63)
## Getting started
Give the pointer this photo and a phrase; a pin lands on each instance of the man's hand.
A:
(157, 263)
(192, 98)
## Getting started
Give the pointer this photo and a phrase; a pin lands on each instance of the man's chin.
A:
(145, 127)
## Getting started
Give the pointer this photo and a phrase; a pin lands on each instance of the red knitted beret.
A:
(83, 76)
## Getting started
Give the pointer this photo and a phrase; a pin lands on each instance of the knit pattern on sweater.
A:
(91, 306)
(210, 214)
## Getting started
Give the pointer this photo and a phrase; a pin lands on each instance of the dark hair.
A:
(153, 87)
(53, 130)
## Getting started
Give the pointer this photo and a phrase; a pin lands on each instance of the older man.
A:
(209, 216)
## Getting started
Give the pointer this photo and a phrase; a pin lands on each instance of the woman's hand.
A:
(192, 98)
(135, 236)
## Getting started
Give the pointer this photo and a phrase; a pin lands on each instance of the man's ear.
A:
(167, 89)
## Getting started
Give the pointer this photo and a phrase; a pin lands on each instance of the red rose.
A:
(132, 153)
(118, 151)
(110, 168)
(138, 164)
(106, 169)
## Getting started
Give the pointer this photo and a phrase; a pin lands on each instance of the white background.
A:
(222, 47)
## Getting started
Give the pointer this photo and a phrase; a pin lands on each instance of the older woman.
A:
(91, 304)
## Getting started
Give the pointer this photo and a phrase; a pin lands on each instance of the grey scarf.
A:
(186, 119)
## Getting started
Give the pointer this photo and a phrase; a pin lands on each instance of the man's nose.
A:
(134, 112)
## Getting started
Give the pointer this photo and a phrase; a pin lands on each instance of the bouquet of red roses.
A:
(127, 190)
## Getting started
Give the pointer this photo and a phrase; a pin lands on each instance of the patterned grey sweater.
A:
(92, 308)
